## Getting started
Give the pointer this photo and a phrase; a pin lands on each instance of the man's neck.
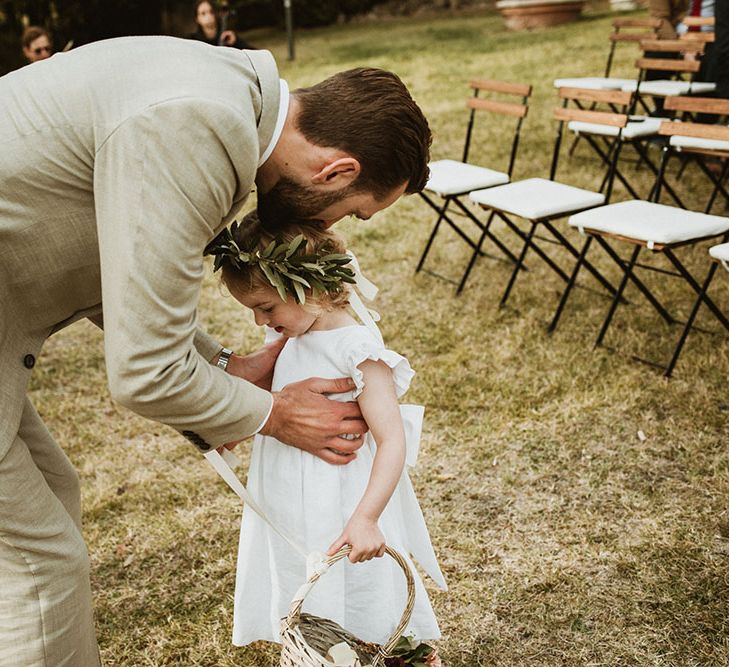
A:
(291, 144)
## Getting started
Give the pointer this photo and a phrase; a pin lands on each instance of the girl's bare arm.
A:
(381, 411)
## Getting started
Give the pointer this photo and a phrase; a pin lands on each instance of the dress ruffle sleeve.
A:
(363, 346)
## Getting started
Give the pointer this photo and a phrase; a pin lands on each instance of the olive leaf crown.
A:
(285, 264)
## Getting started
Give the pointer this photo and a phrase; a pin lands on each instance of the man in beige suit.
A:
(119, 162)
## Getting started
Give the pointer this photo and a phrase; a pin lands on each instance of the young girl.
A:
(365, 503)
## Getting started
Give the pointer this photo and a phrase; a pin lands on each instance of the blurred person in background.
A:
(209, 27)
(721, 49)
(36, 44)
(670, 12)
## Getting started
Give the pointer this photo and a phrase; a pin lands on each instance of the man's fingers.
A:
(335, 386)
(353, 426)
(335, 459)
(344, 445)
(347, 410)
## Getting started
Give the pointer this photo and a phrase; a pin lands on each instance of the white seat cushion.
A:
(720, 252)
(449, 177)
(649, 222)
(537, 198)
(698, 87)
(593, 83)
(698, 142)
(662, 87)
(644, 127)
(665, 87)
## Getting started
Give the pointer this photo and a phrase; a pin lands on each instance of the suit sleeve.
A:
(163, 180)
(204, 343)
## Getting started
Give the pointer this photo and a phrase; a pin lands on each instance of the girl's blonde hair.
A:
(250, 236)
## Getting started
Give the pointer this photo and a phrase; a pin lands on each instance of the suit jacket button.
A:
(29, 361)
(204, 446)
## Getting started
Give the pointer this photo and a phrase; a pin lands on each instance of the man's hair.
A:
(369, 114)
(31, 33)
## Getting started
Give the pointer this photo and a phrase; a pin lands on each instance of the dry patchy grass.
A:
(566, 540)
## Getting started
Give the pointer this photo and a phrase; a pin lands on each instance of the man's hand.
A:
(302, 417)
(257, 367)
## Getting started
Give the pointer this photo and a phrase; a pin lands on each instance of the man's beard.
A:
(288, 202)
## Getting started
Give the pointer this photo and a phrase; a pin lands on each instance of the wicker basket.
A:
(306, 639)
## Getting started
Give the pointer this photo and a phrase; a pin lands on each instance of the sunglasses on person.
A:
(41, 49)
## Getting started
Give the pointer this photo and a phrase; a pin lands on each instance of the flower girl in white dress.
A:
(365, 503)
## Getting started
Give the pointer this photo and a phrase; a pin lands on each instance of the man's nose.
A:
(261, 319)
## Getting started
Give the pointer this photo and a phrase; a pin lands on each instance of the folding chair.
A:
(660, 229)
(641, 128)
(450, 179)
(622, 32)
(692, 140)
(676, 67)
(541, 201)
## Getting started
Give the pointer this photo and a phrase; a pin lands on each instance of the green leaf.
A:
(295, 244)
(281, 292)
(295, 278)
(300, 293)
(269, 249)
(268, 273)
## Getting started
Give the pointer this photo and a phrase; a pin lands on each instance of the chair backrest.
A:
(630, 30)
(682, 47)
(701, 29)
(618, 103)
(688, 64)
(699, 21)
(516, 110)
(691, 128)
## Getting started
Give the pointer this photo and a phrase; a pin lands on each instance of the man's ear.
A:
(339, 173)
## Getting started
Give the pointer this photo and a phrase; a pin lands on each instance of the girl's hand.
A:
(365, 538)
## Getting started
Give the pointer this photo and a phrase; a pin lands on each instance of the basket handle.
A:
(294, 615)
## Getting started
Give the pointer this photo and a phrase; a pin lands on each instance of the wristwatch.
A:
(224, 358)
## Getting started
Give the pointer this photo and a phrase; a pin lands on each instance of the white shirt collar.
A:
(283, 109)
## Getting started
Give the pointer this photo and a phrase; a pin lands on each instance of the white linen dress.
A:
(311, 501)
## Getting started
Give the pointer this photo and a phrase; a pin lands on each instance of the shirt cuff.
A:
(265, 419)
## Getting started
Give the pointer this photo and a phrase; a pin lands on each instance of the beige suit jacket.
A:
(119, 162)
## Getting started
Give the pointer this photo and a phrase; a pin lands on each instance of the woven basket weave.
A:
(306, 639)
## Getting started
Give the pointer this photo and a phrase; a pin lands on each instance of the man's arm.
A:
(162, 181)
(204, 343)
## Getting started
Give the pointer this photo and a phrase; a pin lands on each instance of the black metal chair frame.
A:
(639, 144)
(700, 158)
(556, 238)
(615, 37)
(484, 228)
(628, 267)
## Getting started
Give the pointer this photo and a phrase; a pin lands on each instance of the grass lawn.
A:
(566, 538)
